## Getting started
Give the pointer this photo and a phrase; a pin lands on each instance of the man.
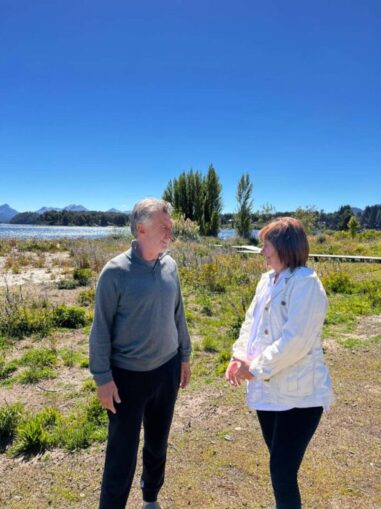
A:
(139, 354)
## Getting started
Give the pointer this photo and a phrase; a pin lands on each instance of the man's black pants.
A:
(287, 435)
(147, 397)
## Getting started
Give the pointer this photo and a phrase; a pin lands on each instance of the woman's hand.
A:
(237, 371)
(243, 372)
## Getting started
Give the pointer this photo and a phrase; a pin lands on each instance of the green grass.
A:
(39, 358)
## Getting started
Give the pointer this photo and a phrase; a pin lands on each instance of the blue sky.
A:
(101, 103)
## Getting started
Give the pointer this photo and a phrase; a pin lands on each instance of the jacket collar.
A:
(287, 274)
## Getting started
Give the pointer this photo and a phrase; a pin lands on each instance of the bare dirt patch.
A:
(368, 326)
(51, 271)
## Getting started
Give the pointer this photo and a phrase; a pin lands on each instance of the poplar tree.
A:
(212, 203)
(245, 206)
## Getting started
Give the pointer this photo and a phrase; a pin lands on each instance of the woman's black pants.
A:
(147, 397)
(287, 435)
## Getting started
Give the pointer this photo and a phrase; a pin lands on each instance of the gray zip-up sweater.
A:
(139, 321)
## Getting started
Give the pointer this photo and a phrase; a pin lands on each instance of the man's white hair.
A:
(144, 209)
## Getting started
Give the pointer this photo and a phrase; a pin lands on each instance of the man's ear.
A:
(140, 227)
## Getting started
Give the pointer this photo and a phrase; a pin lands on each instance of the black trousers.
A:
(287, 435)
(147, 397)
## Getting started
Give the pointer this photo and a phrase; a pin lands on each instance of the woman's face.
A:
(271, 256)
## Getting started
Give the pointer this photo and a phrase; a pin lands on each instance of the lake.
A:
(26, 231)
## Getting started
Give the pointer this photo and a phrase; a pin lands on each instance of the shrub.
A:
(185, 229)
(86, 297)
(71, 317)
(67, 284)
(338, 283)
(82, 276)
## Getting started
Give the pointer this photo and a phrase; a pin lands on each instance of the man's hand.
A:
(185, 374)
(108, 393)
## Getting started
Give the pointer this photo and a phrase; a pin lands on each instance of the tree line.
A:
(71, 218)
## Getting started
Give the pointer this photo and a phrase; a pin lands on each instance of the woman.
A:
(279, 353)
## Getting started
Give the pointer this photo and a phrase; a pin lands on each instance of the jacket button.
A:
(283, 302)
(266, 308)
(266, 331)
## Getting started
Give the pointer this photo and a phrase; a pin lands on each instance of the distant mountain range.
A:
(6, 212)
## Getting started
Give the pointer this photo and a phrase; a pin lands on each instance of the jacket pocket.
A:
(299, 379)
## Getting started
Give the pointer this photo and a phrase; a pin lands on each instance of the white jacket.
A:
(289, 369)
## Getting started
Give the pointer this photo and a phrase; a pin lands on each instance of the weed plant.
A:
(29, 434)
(10, 416)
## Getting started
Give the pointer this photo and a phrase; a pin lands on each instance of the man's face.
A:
(155, 235)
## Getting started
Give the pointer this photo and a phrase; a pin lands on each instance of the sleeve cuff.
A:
(103, 379)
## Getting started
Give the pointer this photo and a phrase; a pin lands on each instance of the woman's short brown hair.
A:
(288, 237)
